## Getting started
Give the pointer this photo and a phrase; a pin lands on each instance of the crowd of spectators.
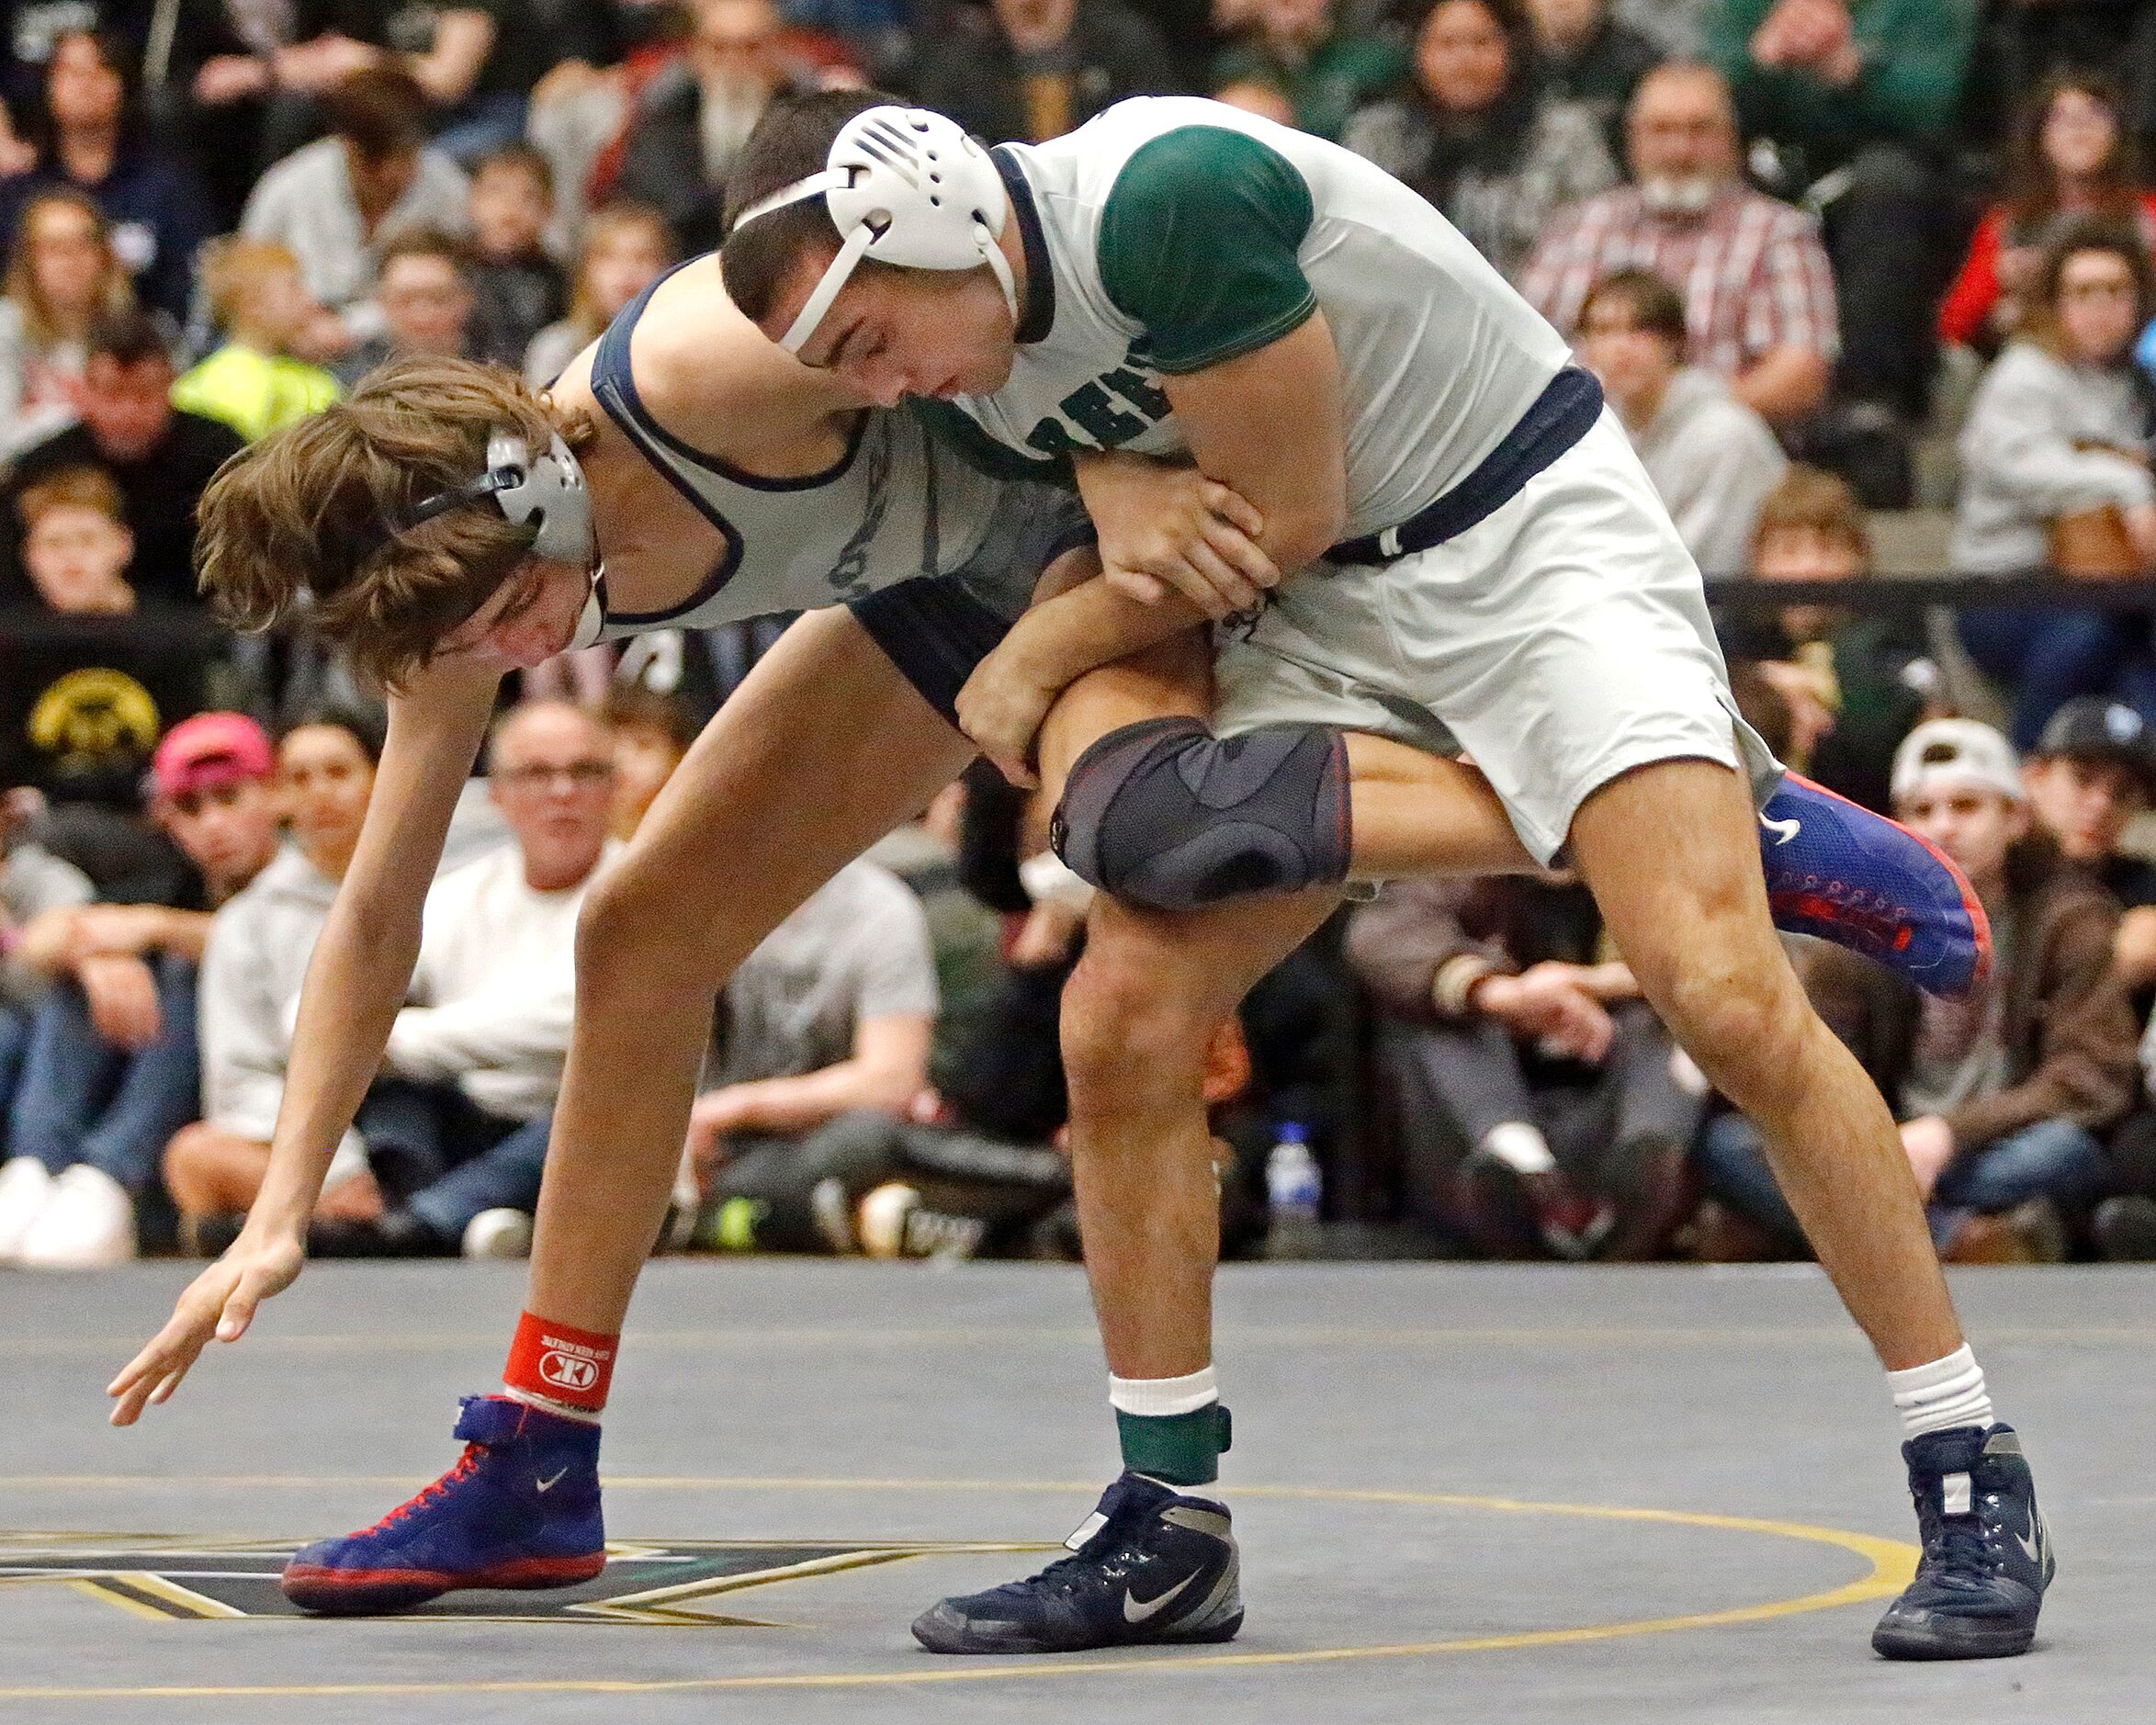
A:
(1827, 257)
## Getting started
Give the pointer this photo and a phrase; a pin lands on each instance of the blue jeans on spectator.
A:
(2047, 655)
(83, 1099)
(2053, 1158)
(445, 1160)
(15, 1042)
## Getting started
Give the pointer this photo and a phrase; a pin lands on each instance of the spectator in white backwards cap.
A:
(2002, 1094)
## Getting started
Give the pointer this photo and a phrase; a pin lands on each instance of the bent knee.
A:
(1165, 815)
(1745, 1024)
(1127, 1030)
(623, 935)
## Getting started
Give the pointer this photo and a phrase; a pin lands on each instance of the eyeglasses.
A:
(583, 775)
(2096, 290)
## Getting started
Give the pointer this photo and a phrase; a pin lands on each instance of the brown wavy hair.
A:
(114, 293)
(2032, 184)
(306, 521)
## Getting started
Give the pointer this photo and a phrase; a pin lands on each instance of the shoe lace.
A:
(1092, 1559)
(1959, 1549)
(467, 1465)
(1857, 909)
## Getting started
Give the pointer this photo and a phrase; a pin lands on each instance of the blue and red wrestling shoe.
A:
(1838, 871)
(519, 1509)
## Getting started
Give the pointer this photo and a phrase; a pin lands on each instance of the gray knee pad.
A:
(1163, 814)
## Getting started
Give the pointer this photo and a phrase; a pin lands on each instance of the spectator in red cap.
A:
(110, 1071)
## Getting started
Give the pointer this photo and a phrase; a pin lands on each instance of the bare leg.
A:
(1672, 855)
(1137, 1014)
(821, 751)
(1153, 988)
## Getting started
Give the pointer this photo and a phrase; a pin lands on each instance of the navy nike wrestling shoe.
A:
(1987, 1554)
(1147, 1566)
(519, 1509)
(1838, 871)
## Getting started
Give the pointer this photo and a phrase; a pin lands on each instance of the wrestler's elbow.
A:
(1297, 542)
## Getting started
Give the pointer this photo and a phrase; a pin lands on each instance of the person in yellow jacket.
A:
(254, 383)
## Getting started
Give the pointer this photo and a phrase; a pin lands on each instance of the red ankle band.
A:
(555, 1362)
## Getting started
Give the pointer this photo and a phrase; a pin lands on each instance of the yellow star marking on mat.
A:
(1890, 1564)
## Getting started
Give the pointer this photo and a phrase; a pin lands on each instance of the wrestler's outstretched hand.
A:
(219, 1302)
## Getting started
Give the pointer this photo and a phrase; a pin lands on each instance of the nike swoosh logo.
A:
(1136, 1610)
(1784, 831)
(2034, 1548)
(547, 1485)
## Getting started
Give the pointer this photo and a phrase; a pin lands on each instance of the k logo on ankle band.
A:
(556, 1362)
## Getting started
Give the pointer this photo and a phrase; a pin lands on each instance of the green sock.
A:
(1180, 1448)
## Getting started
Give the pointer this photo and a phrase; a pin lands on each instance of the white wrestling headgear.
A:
(549, 490)
(905, 187)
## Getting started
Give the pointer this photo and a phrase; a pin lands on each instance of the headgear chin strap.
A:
(547, 491)
(904, 187)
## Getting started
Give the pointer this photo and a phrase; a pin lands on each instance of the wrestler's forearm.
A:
(363, 961)
(353, 983)
(1093, 624)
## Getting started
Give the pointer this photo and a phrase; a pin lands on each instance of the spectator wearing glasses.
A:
(458, 1146)
(2055, 470)
(2071, 155)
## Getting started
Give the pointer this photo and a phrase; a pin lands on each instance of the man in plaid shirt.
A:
(1759, 300)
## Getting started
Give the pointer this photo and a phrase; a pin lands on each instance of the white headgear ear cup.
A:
(906, 186)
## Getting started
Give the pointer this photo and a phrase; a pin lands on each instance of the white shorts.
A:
(1560, 641)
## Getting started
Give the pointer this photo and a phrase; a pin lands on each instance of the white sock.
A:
(1944, 1394)
(1157, 1398)
(1519, 1146)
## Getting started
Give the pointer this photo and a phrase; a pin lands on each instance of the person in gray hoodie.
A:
(1712, 459)
(257, 958)
(2060, 426)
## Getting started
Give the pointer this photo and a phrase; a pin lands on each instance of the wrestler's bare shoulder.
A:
(711, 379)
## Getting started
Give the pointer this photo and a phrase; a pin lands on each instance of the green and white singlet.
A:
(1555, 631)
(1180, 233)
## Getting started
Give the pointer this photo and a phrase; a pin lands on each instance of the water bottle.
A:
(1293, 1188)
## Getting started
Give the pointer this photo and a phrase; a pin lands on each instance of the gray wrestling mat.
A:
(1463, 1492)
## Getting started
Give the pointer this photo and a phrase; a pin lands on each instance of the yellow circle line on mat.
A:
(1891, 1562)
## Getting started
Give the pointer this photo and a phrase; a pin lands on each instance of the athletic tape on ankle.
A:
(556, 1362)
(1180, 1448)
